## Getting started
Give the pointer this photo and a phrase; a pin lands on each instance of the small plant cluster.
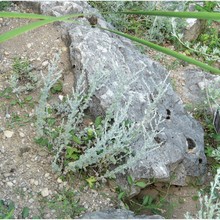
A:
(66, 205)
(105, 146)
(155, 29)
(4, 5)
(209, 203)
(206, 46)
(7, 210)
(144, 204)
(23, 79)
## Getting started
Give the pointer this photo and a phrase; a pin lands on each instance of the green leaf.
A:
(57, 87)
(198, 15)
(98, 121)
(90, 133)
(130, 180)
(18, 31)
(25, 212)
(28, 98)
(72, 153)
(76, 139)
(91, 180)
(166, 51)
(141, 184)
(23, 15)
(51, 121)
(121, 195)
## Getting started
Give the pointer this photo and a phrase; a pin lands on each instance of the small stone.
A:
(21, 134)
(6, 175)
(45, 192)
(7, 116)
(31, 200)
(32, 181)
(29, 45)
(64, 49)
(42, 153)
(10, 184)
(8, 134)
(59, 180)
(6, 53)
(45, 63)
(47, 175)
(36, 183)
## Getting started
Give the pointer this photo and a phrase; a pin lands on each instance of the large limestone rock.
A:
(92, 49)
(118, 214)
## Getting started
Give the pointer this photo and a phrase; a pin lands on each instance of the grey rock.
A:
(118, 214)
(92, 50)
(197, 83)
(194, 29)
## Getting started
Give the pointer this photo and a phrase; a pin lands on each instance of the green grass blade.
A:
(23, 15)
(167, 51)
(18, 31)
(198, 15)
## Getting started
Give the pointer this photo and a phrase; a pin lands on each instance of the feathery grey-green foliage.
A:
(49, 80)
(115, 145)
(112, 150)
(209, 203)
(78, 103)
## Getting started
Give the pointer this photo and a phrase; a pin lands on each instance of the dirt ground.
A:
(26, 176)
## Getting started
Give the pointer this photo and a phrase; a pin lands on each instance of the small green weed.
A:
(7, 210)
(57, 87)
(66, 205)
(146, 203)
(4, 5)
(23, 79)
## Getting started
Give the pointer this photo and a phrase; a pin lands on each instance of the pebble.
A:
(42, 153)
(36, 183)
(8, 134)
(45, 63)
(31, 200)
(21, 134)
(10, 184)
(6, 175)
(64, 49)
(7, 116)
(45, 192)
(47, 175)
(29, 45)
(59, 180)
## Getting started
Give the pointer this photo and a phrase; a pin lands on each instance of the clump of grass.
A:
(23, 79)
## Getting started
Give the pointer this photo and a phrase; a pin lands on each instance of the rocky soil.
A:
(26, 176)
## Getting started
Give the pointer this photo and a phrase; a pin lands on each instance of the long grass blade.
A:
(167, 51)
(23, 15)
(198, 15)
(18, 31)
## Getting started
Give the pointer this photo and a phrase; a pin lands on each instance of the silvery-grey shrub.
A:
(209, 203)
(113, 149)
(49, 80)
